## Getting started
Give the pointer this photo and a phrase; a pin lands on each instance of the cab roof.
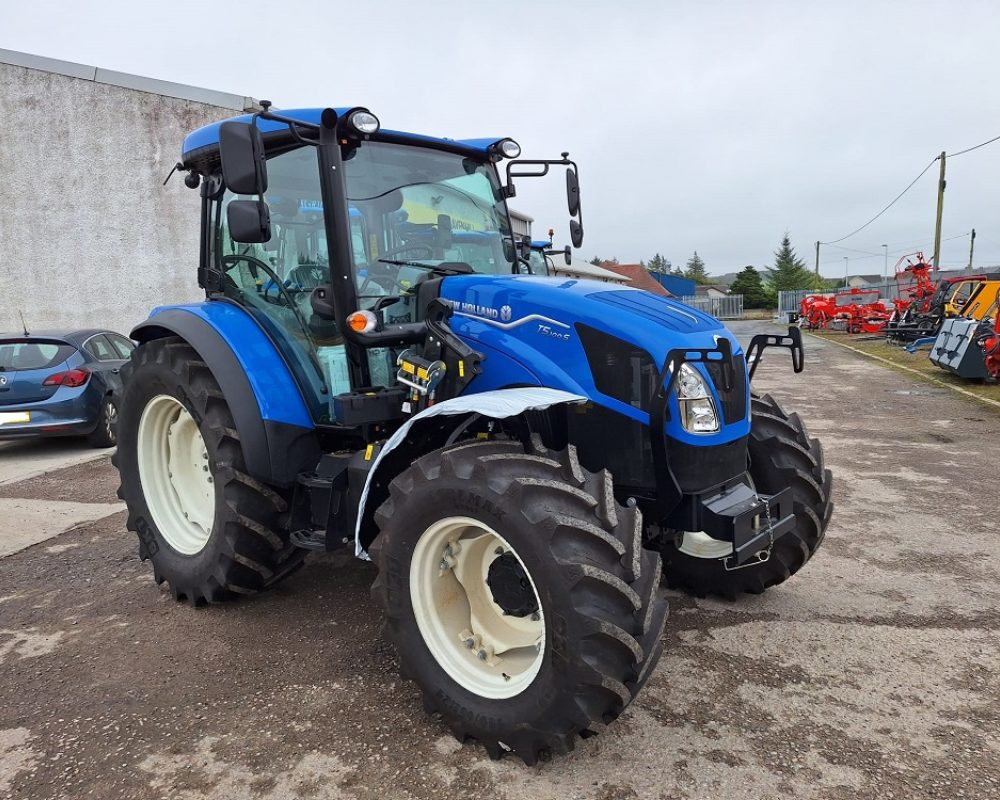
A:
(202, 145)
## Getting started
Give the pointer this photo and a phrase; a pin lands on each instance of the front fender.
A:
(272, 420)
(497, 404)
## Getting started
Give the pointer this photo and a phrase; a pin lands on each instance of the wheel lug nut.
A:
(498, 551)
(470, 643)
(535, 617)
(482, 655)
(443, 564)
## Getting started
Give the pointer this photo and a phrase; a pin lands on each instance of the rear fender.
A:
(497, 404)
(275, 428)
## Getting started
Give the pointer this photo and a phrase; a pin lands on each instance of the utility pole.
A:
(845, 272)
(940, 214)
(885, 268)
(972, 247)
(817, 258)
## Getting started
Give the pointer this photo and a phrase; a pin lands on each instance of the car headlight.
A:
(698, 414)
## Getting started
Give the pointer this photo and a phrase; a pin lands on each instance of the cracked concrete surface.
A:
(871, 674)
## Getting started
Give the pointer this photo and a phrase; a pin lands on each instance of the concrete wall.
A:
(88, 234)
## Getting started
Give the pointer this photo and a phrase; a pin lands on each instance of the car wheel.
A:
(106, 432)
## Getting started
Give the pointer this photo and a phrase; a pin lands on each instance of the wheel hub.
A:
(510, 586)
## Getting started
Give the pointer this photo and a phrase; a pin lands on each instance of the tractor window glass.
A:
(274, 280)
(538, 263)
(423, 206)
(962, 294)
(123, 346)
(22, 355)
(100, 348)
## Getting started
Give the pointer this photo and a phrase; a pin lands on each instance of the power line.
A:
(970, 149)
(880, 213)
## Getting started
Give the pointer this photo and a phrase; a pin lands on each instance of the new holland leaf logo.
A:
(505, 313)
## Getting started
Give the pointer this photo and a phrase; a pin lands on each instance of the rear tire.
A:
(781, 455)
(595, 588)
(242, 550)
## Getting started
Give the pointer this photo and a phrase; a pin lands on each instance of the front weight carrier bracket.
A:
(792, 340)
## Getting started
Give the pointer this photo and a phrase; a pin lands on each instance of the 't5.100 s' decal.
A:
(547, 330)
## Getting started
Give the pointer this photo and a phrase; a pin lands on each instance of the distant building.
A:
(638, 277)
(585, 270)
(712, 291)
(675, 284)
(861, 281)
(520, 224)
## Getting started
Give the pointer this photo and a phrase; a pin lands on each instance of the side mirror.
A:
(572, 192)
(576, 233)
(249, 221)
(568, 254)
(524, 247)
(241, 150)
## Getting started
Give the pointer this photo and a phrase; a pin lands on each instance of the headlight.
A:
(698, 414)
(364, 122)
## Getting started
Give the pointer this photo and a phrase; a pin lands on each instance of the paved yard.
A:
(874, 673)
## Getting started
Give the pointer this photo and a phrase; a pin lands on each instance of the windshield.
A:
(424, 207)
(538, 261)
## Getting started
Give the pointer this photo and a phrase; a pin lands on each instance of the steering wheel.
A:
(284, 297)
(383, 272)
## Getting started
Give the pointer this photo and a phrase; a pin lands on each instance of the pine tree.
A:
(789, 271)
(659, 264)
(696, 270)
(749, 284)
(596, 261)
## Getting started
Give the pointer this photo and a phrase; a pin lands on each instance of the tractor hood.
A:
(587, 338)
(534, 307)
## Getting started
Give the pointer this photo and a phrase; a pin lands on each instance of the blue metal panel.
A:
(676, 285)
(208, 136)
(278, 396)
(526, 327)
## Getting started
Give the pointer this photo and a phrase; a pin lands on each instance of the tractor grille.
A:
(627, 373)
(620, 369)
(734, 402)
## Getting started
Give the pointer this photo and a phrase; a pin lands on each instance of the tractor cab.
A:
(402, 211)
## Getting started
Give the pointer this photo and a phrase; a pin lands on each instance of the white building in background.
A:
(520, 224)
(89, 235)
(582, 269)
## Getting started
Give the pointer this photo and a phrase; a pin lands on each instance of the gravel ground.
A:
(871, 674)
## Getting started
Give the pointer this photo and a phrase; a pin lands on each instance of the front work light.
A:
(698, 414)
(364, 122)
(505, 148)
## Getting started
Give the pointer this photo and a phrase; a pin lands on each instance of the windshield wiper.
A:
(447, 267)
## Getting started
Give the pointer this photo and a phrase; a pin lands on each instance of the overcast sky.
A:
(708, 126)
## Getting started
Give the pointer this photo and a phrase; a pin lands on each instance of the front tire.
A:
(462, 529)
(781, 454)
(211, 531)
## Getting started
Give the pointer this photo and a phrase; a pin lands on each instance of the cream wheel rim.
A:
(485, 650)
(175, 474)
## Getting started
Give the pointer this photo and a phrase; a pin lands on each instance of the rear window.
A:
(18, 355)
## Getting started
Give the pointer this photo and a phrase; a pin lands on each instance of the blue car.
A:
(62, 383)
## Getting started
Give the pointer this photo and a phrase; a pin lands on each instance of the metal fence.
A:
(788, 302)
(728, 307)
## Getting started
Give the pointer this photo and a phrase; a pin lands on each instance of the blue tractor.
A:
(518, 454)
